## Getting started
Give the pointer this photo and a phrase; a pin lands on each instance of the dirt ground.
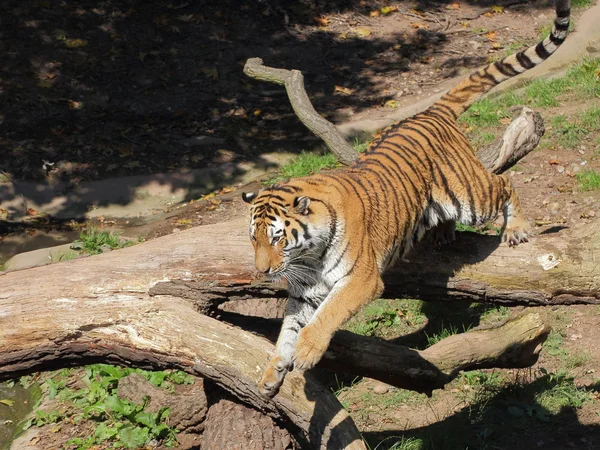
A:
(111, 88)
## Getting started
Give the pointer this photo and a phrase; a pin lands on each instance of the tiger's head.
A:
(288, 230)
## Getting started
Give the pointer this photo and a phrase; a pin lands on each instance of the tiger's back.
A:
(331, 235)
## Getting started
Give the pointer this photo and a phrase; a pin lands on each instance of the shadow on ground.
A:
(512, 418)
(118, 88)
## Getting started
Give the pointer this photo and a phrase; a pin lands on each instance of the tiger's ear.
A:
(248, 198)
(301, 205)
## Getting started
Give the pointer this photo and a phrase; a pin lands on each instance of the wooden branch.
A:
(520, 137)
(515, 344)
(294, 85)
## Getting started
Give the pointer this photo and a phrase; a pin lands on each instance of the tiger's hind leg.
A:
(516, 228)
(442, 234)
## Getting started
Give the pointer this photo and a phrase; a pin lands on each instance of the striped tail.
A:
(459, 98)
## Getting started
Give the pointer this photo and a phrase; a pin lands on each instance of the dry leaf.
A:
(417, 25)
(497, 9)
(32, 212)
(491, 36)
(3, 213)
(554, 162)
(322, 21)
(496, 45)
(343, 90)
(375, 13)
(75, 43)
(391, 104)
(505, 120)
(73, 104)
(453, 6)
(362, 32)
(388, 10)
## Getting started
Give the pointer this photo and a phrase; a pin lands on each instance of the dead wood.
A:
(233, 426)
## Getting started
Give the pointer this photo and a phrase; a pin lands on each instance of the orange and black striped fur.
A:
(331, 235)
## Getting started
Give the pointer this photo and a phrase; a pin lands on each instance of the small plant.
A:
(443, 334)
(562, 392)
(569, 132)
(305, 164)
(589, 180)
(120, 422)
(94, 241)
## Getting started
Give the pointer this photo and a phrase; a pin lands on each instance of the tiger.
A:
(331, 235)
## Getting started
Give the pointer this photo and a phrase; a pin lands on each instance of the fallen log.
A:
(96, 313)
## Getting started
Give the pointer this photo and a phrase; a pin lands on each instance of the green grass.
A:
(561, 392)
(568, 132)
(405, 443)
(308, 163)
(589, 180)
(94, 241)
(387, 318)
(115, 421)
(446, 331)
(582, 3)
(582, 81)
(590, 119)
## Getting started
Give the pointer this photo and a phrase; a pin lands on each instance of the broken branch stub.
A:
(294, 85)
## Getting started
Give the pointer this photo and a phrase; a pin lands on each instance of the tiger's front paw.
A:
(516, 233)
(273, 377)
(310, 348)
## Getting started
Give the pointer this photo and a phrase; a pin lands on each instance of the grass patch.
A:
(562, 392)
(116, 421)
(403, 444)
(445, 331)
(387, 318)
(94, 241)
(589, 180)
(590, 119)
(583, 81)
(308, 163)
(582, 3)
(569, 133)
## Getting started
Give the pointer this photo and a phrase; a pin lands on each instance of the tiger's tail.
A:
(462, 96)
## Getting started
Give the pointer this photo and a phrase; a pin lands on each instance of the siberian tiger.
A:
(331, 235)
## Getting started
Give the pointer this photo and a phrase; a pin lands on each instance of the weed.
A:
(590, 119)
(116, 420)
(305, 164)
(444, 333)
(540, 92)
(569, 132)
(479, 378)
(581, 3)
(94, 241)
(360, 146)
(589, 180)
(403, 444)
(495, 314)
(554, 344)
(374, 318)
(561, 392)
